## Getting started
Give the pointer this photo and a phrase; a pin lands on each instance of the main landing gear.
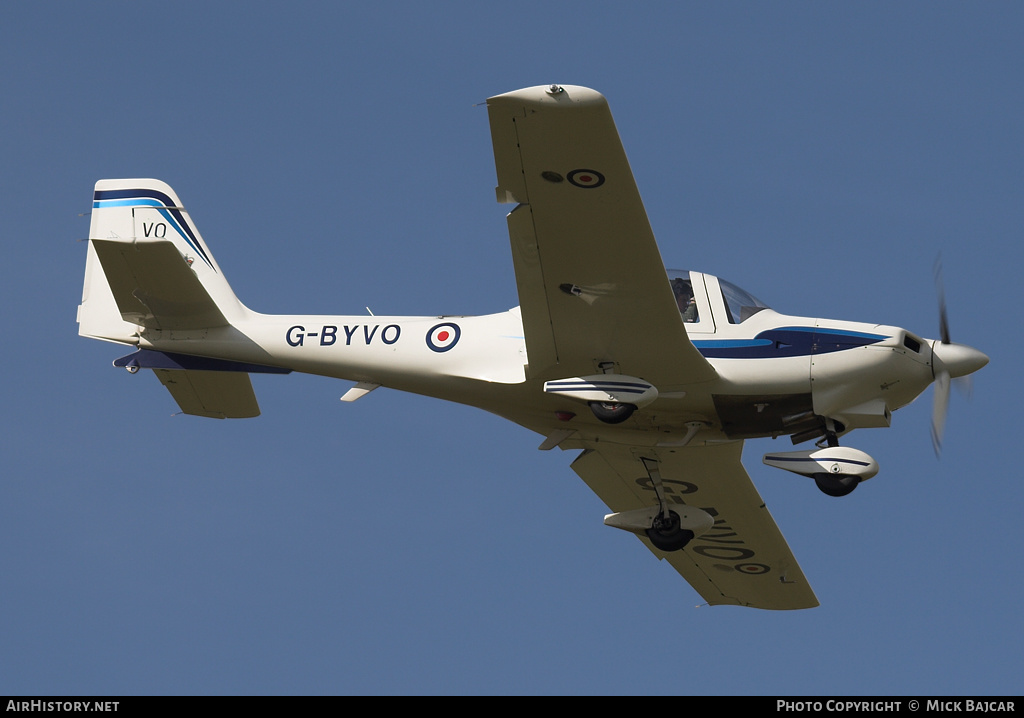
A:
(612, 397)
(667, 533)
(668, 526)
(612, 412)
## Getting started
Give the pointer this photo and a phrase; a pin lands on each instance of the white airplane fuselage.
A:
(800, 367)
(655, 375)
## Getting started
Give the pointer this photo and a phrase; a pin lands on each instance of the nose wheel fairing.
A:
(836, 470)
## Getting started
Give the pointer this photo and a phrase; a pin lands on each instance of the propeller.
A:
(940, 405)
(949, 361)
(939, 408)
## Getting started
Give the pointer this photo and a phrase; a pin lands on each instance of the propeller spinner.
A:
(949, 361)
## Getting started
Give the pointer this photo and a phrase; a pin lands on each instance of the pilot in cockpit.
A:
(683, 291)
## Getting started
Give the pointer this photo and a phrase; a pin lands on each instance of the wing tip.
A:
(548, 95)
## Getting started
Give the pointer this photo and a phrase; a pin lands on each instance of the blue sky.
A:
(334, 156)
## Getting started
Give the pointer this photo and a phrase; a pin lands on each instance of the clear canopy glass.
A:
(740, 304)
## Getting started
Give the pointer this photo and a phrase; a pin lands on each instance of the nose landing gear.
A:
(836, 484)
(836, 470)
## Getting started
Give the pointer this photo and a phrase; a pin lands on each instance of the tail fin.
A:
(148, 266)
(148, 269)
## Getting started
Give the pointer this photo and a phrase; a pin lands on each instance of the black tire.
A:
(612, 412)
(836, 484)
(667, 535)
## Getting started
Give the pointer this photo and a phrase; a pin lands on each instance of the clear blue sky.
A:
(821, 155)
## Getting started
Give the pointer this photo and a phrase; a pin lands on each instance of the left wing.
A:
(592, 286)
(743, 559)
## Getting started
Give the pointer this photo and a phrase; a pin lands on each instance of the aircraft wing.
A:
(592, 285)
(743, 559)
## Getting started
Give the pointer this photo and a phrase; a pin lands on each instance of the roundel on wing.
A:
(588, 179)
(752, 569)
(443, 337)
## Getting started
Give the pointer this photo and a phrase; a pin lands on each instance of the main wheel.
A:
(836, 484)
(667, 535)
(612, 412)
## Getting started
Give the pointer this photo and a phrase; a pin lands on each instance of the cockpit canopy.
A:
(740, 304)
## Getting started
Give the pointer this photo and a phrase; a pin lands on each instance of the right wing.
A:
(744, 559)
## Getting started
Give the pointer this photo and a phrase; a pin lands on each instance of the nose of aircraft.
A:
(957, 359)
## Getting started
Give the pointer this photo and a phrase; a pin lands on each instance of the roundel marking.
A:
(752, 569)
(588, 179)
(443, 337)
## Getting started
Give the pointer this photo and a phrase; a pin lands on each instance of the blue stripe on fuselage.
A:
(786, 342)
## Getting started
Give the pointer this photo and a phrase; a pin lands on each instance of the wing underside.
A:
(592, 286)
(743, 559)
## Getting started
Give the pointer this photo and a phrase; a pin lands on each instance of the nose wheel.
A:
(836, 484)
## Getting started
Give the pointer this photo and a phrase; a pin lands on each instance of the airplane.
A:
(657, 377)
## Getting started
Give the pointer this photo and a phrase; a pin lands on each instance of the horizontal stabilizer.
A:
(359, 391)
(154, 286)
(215, 394)
(150, 359)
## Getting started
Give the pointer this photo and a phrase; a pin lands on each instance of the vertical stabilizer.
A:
(132, 273)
